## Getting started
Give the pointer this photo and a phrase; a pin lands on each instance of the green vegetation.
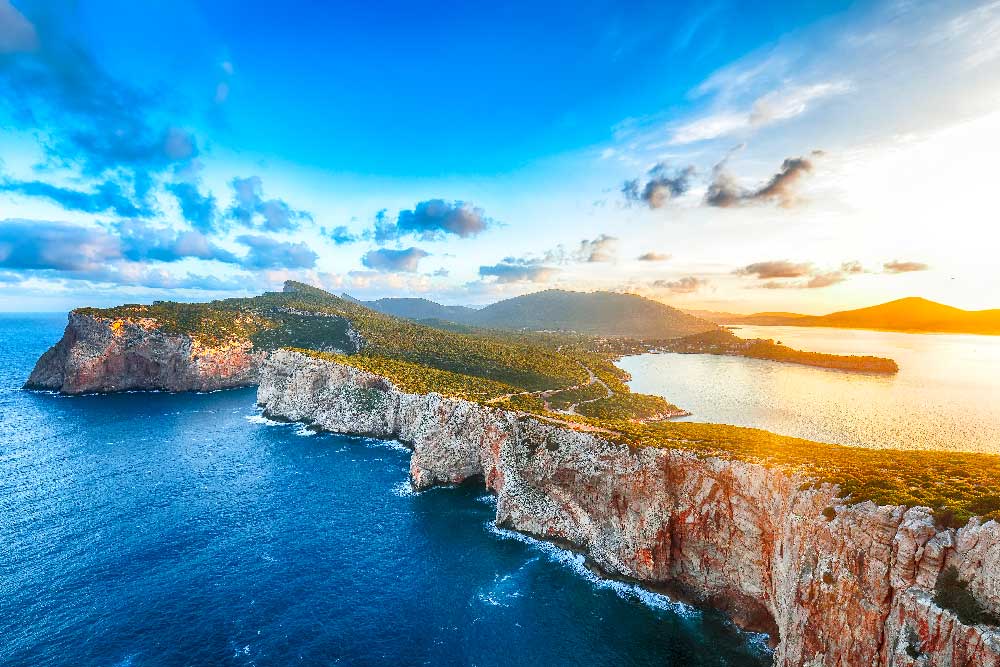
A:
(768, 349)
(307, 317)
(522, 370)
(628, 406)
(563, 400)
(960, 484)
(418, 379)
(204, 322)
(305, 331)
(953, 594)
(594, 313)
(724, 342)
(522, 403)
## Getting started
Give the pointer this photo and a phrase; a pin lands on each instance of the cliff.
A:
(834, 583)
(103, 354)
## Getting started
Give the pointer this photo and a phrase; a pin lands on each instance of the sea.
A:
(144, 529)
(946, 395)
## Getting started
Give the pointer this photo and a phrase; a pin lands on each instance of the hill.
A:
(419, 309)
(912, 314)
(594, 313)
(206, 346)
(915, 314)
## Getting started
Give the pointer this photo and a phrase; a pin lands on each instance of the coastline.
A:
(725, 517)
(922, 332)
(578, 488)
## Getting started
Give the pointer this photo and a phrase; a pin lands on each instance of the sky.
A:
(730, 156)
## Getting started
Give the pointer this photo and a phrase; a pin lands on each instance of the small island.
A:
(724, 342)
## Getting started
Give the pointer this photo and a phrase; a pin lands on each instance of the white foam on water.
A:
(504, 588)
(261, 419)
(404, 490)
(758, 642)
(487, 499)
(390, 444)
(577, 563)
(487, 598)
(304, 431)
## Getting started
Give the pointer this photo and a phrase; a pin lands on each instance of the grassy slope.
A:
(495, 367)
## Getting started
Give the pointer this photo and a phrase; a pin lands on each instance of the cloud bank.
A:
(433, 220)
(385, 259)
(725, 192)
(661, 186)
(685, 285)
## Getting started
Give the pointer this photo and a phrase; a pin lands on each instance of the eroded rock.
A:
(848, 587)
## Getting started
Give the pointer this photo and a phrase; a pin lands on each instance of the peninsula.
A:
(724, 342)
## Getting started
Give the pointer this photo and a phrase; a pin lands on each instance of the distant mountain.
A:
(769, 319)
(419, 309)
(600, 313)
(909, 314)
(715, 316)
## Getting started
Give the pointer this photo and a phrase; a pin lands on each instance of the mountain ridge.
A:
(596, 313)
(909, 314)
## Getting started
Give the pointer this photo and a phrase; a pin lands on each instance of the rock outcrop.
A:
(834, 584)
(99, 354)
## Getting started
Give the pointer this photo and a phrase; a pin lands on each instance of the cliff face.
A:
(852, 590)
(99, 354)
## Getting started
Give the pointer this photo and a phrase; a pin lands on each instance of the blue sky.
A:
(737, 156)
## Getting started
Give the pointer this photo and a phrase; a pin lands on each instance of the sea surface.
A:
(945, 396)
(182, 529)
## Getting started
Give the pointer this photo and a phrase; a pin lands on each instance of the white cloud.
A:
(711, 126)
(777, 105)
(977, 31)
(793, 101)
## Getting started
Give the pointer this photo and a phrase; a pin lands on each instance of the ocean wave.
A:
(404, 489)
(578, 564)
(304, 431)
(390, 444)
(261, 419)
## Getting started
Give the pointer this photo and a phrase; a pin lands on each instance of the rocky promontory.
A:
(833, 583)
(106, 354)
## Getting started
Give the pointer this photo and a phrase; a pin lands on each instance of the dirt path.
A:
(593, 379)
(545, 393)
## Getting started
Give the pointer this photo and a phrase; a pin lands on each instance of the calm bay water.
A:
(158, 529)
(945, 396)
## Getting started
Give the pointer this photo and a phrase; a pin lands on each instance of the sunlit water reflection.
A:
(945, 396)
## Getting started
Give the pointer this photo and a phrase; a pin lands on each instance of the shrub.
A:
(953, 594)
(628, 406)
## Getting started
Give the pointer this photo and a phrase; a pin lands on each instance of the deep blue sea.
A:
(179, 529)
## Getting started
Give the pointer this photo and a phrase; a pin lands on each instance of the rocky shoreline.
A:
(851, 586)
(832, 583)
